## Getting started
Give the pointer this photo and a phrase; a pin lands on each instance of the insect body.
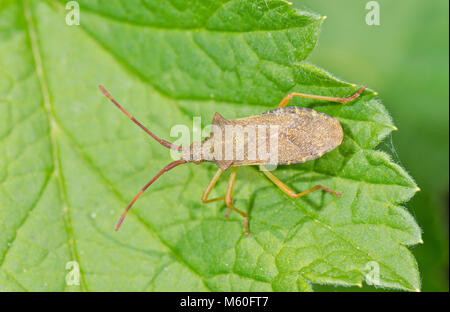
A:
(302, 135)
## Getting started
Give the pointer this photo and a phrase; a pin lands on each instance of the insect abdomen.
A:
(302, 135)
(311, 135)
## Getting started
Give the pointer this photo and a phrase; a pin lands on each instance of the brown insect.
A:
(305, 135)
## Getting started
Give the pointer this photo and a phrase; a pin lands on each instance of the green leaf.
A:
(70, 161)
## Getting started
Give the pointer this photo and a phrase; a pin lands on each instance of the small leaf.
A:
(70, 161)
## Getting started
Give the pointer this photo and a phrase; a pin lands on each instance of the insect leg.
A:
(230, 190)
(229, 200)
(289, 97)
(290, 192)
(210, 186)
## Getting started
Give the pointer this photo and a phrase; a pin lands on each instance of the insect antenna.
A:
(161, 141)
(165, 169)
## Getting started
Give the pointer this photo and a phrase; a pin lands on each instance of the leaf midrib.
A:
(53, 128)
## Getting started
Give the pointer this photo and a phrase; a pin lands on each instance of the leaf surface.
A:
(70, 162)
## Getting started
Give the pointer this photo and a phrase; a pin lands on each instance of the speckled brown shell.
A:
(303, 135)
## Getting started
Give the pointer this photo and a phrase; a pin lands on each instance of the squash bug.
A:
(305, 135)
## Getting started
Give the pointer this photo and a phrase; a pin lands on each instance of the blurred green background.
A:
(405, 59)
